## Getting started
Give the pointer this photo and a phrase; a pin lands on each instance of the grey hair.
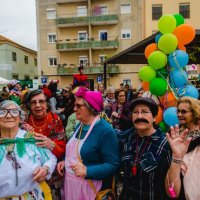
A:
(90, 108)
(7, 103)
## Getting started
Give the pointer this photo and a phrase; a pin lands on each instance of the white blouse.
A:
(29, 162)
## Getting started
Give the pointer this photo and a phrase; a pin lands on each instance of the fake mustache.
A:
(140, 120)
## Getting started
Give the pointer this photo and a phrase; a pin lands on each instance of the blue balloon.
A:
(178, 78)
(170, 116)
(157, 37)
(189, 90)
(178, 59)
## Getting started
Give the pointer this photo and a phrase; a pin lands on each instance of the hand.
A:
(79, 169)
(61, 167)
(40, 174)
(115, 114)
(178, 142)
(44, 141)
(27, 127)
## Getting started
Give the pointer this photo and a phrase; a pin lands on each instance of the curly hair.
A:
(194, 105)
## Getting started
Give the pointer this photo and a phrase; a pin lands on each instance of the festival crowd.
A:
(105, 144)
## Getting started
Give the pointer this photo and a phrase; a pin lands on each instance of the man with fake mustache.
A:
(145, 154)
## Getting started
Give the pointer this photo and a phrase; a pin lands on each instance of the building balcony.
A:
(69, 1)
(86, 45)
(85, 20)
(93, 69)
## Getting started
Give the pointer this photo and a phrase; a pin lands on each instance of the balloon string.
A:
(168, 85)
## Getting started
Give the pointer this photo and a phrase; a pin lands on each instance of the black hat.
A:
(145, 101)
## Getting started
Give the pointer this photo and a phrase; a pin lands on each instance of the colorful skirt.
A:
(41, 192)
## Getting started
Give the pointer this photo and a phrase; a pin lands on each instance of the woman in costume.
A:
(24, 166)
(183, 178)
(92, 152)
(49, 130)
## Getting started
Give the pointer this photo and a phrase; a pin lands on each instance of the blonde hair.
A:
(194, 106)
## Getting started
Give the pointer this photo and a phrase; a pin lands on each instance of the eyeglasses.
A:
(78, 106)
(13, 112)
(40, 101)
(143, 112)
(65, 91)
(12, 158)
(183, 112)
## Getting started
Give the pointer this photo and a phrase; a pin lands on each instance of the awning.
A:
(135, 53)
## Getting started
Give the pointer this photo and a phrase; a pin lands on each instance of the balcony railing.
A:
(83, 45)
(88, 70)
(69, 1)
(84, 20)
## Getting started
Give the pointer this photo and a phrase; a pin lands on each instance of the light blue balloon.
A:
(157, 37)
(178, 78)
(178, 59)
(189, 90)
(170, 116)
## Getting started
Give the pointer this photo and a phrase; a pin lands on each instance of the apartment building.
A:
(17, 62)
(86, 32)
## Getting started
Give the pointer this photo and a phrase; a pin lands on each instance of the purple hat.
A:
(94, 99)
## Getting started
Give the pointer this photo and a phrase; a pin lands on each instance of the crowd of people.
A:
(75, 144)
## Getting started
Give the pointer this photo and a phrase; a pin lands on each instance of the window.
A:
(52, 61)
(35, 61)
(102, 58)
(15, 76)
(82, 36)
(83, 61)
(51, 13)
(126, 34)
(125, 8)
(81, 11)
(104, 9)
(26, 59)
(14, 56)
(184, 9)
(51, 37)
(103, 35)
(127, 81)
(156, 12)
(26, 77)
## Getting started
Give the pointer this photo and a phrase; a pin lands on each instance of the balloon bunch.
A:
(165, 77)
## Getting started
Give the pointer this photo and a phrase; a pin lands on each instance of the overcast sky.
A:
(18, 21)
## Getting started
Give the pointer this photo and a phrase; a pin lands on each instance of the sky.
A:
(18, 22)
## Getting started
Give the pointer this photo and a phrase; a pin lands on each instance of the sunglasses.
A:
(78, 106)
(12, 158)
(40, 101)
(183, 112)
(13, 112)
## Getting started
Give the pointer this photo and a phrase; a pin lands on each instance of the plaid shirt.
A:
(152, 165)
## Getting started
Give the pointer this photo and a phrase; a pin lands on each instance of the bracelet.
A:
(52, 145)
(178, 161)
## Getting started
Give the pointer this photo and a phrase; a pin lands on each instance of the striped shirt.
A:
(154, 157)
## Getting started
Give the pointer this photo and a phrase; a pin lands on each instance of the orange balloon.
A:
(181, 47)
(168, 100)
(159, 116)
(149, 49)
(185, 33)
(145, 85)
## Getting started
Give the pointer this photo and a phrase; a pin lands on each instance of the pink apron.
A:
(77, 188)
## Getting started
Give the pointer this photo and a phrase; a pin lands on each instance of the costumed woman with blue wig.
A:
(24, 166)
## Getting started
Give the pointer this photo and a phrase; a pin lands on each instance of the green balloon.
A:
(158, 86)
(157, 60)
(179, 19)
(166, 24)
(163, 126)
(147, 73)
(168, 43)
(162, 73)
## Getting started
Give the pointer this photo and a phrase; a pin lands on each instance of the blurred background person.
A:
(15, 91)
(5, 93)
(89, 155)
(183, 176)
(129, 92)
(109, 101)
(47, 125)
(80, 79)
(24, 166)
(100, 88)
(121, 115)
